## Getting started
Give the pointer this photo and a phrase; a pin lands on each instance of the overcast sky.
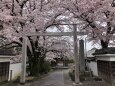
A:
(89, 46)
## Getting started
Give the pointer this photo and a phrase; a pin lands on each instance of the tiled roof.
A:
(6, 52)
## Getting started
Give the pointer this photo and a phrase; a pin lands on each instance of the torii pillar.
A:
(77, 81)
(24, 56)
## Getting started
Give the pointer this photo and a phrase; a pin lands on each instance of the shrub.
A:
(72, 75)
(70, 61)
(53, 63)
(46, 67)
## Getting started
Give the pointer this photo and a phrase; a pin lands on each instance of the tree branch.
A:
(14, 42)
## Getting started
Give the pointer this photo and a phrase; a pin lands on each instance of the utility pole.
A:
(77, 81)
(24, 56)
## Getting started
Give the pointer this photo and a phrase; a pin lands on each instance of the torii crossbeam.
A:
(51, 34)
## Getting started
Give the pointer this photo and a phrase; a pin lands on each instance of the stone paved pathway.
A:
(59, 78)
(55, 78)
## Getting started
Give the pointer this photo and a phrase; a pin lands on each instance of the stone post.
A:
(81, 56)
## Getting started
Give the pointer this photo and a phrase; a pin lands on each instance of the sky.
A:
(89, 46)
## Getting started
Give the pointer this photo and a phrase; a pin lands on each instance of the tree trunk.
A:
(104, 44)
(29, 61)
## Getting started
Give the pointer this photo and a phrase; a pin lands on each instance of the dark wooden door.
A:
(4, 71)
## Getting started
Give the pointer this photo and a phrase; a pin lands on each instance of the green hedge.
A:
(46, 67)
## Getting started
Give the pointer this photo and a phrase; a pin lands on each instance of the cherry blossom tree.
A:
(25, 16)
(99, 18)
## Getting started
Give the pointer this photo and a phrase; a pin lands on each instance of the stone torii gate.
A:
(74, 34)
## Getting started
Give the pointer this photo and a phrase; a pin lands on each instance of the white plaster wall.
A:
(93, 67)
(16, 70)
